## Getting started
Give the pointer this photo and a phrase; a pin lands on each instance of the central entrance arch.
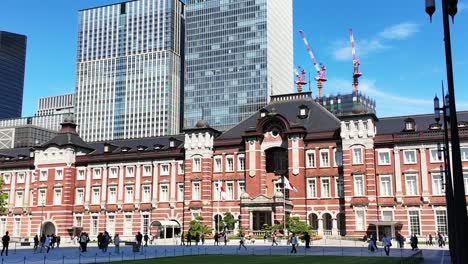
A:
(48, 228)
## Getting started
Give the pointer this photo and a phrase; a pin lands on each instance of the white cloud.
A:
(366, 47)
(399, 31)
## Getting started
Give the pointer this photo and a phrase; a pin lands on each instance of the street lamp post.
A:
(449, 7)
(42, 219)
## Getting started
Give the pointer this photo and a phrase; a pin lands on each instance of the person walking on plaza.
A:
(225, 237)
(202, 237)
(242, 242)
(5, 243)
(307, 239)
(273, 239)
(117, 243)
(430, 240)
(189, 239)
(293, 241)
(414, 242)
(58, 241)
(182, 239)
(197, 238)
(146, 238)
(440, 240)
(387, 243)
(83, 242)
(105, 240)
(47, 243)
(216, 239)
(36, 242)
(139, 239)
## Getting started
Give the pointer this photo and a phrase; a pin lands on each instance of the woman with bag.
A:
(387, 243)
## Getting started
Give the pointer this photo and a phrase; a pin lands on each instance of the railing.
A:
(327, 232)
(258, 233)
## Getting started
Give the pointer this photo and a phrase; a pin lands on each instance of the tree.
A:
(295, 225)
(3, 198)
(228, 221)
(197, 227)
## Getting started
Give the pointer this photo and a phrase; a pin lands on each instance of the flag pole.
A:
(217, 217)
(284, 207)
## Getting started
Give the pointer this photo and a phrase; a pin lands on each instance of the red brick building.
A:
(352, 174)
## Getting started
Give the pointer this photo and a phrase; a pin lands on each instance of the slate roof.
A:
(67, 139)
(13, 153)
(390, 125)
(319, 119)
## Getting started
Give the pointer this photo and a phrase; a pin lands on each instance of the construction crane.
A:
(356, 72)
(300, 74)
(320, 68)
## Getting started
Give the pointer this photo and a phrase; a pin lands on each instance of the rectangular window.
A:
(57, 196)
(310, 159)
(79, 199)
(441, 221)
(360, 220)
(387, 215)
(78, 220)
(97, 173)
(147, 170)
(6, 179)
(385, 185)
(339, 187)
(59, 174)
(409, 156)
(338, 157)
(229, 164)
(96, 196)
(437, 184)
(196, 165)
(145, 224)
(411, 184)
(164, 193)
(324, 158)
(436, 156)
(130, 171)
(19, 199)
(146, 197)
(241, 165)
(359, 185)
(80, 175)
(229, 191)
(217, 190)
(415, 226)
(180, 192)
(311, 188)
(325, 187)
(241, 190)
(17, 227)
(111, 224)
(94, 225)
(112, 195)
(181, 168)
(465, 180)
(43, 175)
(195, 190)
(464, 153)
(357, 156)
(128, 194)
(164, 169)
(218, 164)
(113, 173)
(21, 177)
(384, 157)
(128, 224)
(42, 197)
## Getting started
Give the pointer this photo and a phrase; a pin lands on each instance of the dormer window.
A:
(157, 147)
(462, 124)
(409, 124)
(303, 111)
(263, 112)
(435, 126)
(172, 142)
(141, 148)
(125, 149)
(106, 148)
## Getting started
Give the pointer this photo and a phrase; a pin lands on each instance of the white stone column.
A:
(399, 192)
(334, 226)
(320, 226)
(155, 184)
(27, 187)
(173, 185)
(88, 186)
(120, 187)
(425, 184)
(250, 220)
(104, 187)
(137, 183)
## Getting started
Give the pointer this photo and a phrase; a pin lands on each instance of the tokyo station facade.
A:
(354, 174)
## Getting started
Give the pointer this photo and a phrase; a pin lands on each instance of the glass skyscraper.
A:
(12, 63)
(238, 53)
(129, 70)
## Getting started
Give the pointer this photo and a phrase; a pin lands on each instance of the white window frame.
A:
(130, 171)
(147, 170)
(336, 153)
(419, 222)
(464, 153)
(339, 192)
(165, 169)
(42, 197)
(43, 175)
(146, 193)
(229, 163)
(240, 162)
(437, 222)
(322, 187)
(110, 225)
(129, 194)
(80, 175)
(358, 159)
(405, 160)
(435, 159)
(77, 222)
(128, 225)
(218, 164)
(240, 188)
(229, 190)
(59, 174)
(360, 226)
(58, 199)
(145, 224)
(381, 161)
(388, 211)
(438, 187)
(408, 192)
(79, 199)
(196, 192)
(112, 195)
(217, 190)
(7, 179)
(19, 178)
(17, 227)
(97, 173)
(196, 164)
(180, 191)
(113, 172)
(383, 191)
(96, 198)
(311, 193)
(164, 192)
(19, 198)
(359, 192)
(309, 164)
(181, 167)
(322, 163)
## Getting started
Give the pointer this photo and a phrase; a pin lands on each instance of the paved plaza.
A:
(69, 253)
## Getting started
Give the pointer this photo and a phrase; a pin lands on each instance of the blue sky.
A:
(401, 52)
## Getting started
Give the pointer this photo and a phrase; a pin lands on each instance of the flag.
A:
(223, 193)
(288, 185)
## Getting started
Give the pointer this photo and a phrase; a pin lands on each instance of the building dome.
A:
(202, 124)
(358, 109)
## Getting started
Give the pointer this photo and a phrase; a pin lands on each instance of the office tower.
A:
(129, 73)
(58, 104)
(12, 63)
(238, 53)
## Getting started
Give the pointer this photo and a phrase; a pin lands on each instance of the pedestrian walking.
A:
(36, 242)
(139, 239)
(273, 239)
(146, 238)
(58, 241)
(105, 240)
(182, 239)
(242, 242)
(430, 240)
(226, 240)
(440, 240)
(47, 243)
(83, 242)
(202, 237)
(189, 239)
(5, 243)
(293, 242)
(387, 243)
(197, 238)
(307, 239)
(216, 239)
(414, 242)
(117, 243)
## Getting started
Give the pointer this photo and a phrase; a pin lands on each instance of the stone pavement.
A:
(69, 253)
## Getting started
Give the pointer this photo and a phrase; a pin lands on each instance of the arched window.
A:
(277, 160)
(313, 221)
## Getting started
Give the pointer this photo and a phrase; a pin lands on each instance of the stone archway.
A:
(48, 228)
